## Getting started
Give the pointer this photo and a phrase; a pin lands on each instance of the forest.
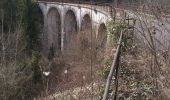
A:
(21, 23)
(144, 70)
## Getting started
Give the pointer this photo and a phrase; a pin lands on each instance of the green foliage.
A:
(8, 12)
(25, 15)
(118, 27)
(125, 72)
(106, 69)
(31, 19)
(21, 11)
(114, 29)
(17, 79)
(34, 22)
(37, 77)
(22, 77)
(28, 78)
(137, 87)
(101, 92)
(127, 41)
(140, 90)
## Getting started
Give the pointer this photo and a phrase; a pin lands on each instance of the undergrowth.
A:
(131, 84)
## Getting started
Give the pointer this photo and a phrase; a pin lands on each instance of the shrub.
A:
(37, 77)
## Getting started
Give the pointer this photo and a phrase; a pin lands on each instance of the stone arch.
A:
(102, 36)
(85, 34)
(70, 30)
(86, 22)
(101, 42)
(42, 8)
(40, 19)
(54, 29)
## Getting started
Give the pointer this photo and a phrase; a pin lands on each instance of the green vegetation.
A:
(26, 15)
(37, 76)
(20, 74)
(131, 86)
(114, 30)
(34, 22)
(106, 69)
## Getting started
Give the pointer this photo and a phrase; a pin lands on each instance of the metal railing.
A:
(114, 68)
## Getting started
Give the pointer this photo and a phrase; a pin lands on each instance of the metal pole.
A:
(116, 75)
(2, 37)
(91, 63)
(113, 67)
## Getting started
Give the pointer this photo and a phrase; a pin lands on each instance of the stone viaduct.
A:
(63, 21)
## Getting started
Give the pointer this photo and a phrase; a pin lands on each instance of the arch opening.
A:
(101, 42)
(102, 37)
(70, 30)
(85, 35)
(86, 23)
(54, 30)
